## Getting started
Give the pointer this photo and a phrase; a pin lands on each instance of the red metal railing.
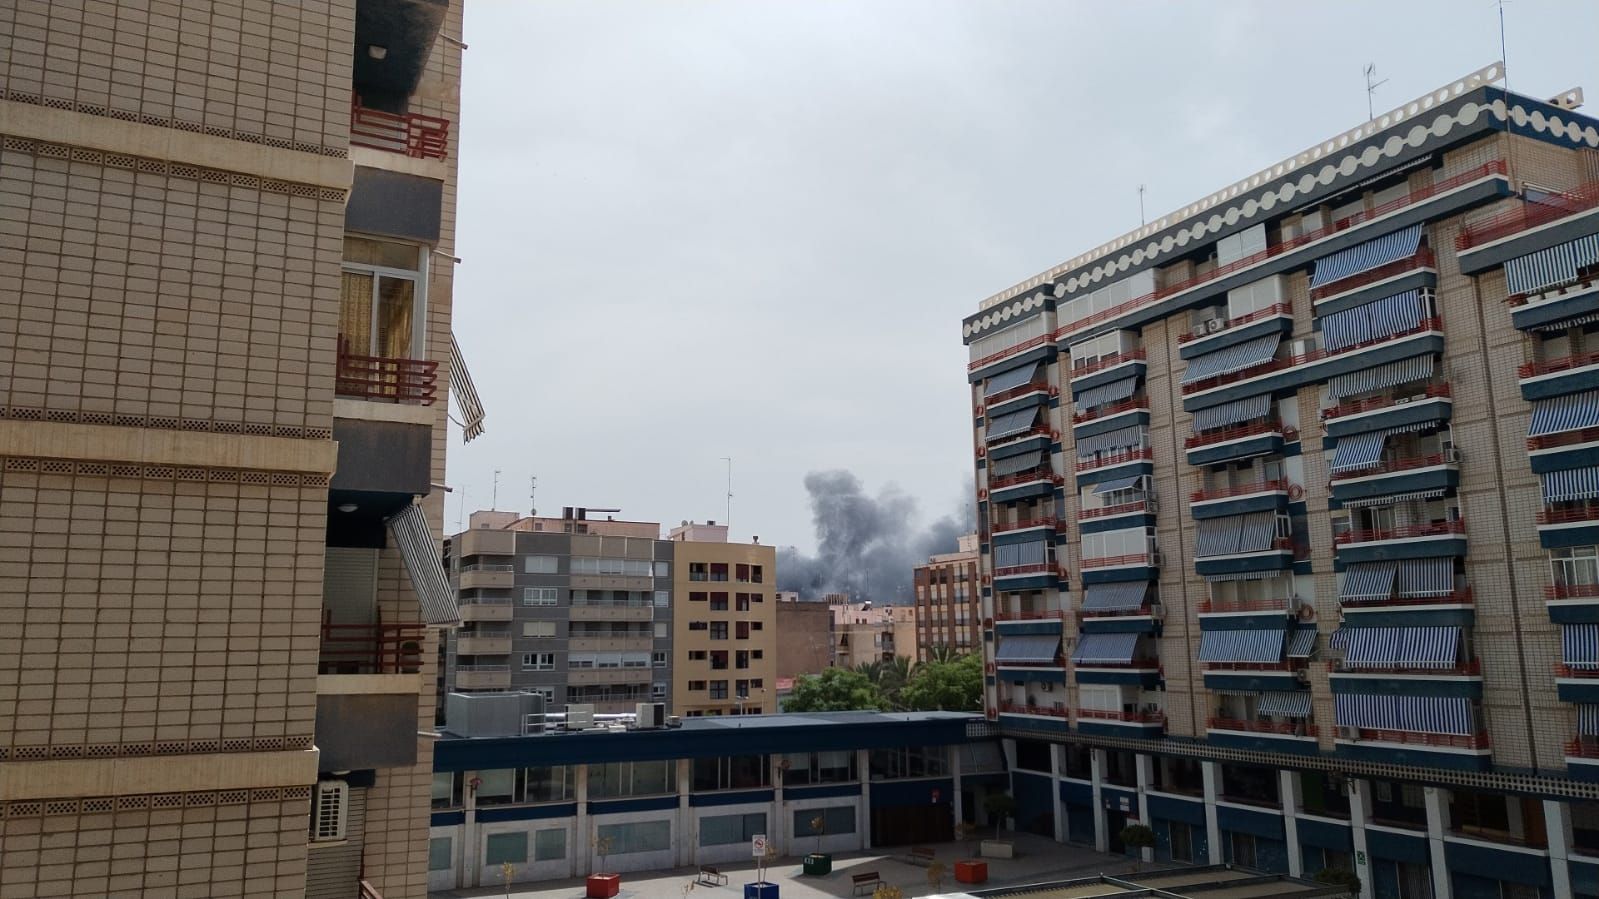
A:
(1134, 665)
(1236, 432)
(1428, 324)
(1550, 366)
(413, 134)
(1494, 167)
(1353, 407)
(1024, 709)
(1461, 596)
(1112, 409)
(1028, 615)
(1028, 344)
(379, 378)
(1022, 569)
(1130, 559)
(1454, 741)
(1014, 392)
(1581, 282)
(1279, 604)
(1528, 215)
(1422, 259)
(1041, 473)
(1107, 511)
(1270, 311)
(1571, 591)
(1578, 748)
(1274, 486)
(1119, 458)
(1249, 666)
(1115, 613)
(1291, 728)
(1563, 670)
(1587, 511)
(1026, 435)
(1001, 527)
(1106, 362)
(1566, 438)
(370, 648)
(1435, 529)
(1279, 543)
(1469, 668)
(1390, 466)
(1131, 717)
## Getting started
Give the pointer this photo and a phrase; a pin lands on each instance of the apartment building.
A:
(576, 608)
(863, 632)
(948, 608)
(725, 633)
(807, 643)
(225, 357)
(1289, 511)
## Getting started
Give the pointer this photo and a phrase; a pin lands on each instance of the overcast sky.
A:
(751, 229)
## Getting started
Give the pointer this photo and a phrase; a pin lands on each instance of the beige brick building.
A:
(724, 623)
(948, 611)
(1289, 511)
(226, 239)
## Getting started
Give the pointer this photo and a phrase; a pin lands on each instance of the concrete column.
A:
(1557, 823)
(1146, 780)
(1055, 766)
(1437, 800)
(1359, 812)
(777, 824)
(1289, 787)
(1211, 771)
(956, 804)
(583, 850)
(467, 872)
(1096, 765)
(687, 839)
(863, 813)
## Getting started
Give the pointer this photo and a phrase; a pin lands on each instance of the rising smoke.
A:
(865, 546)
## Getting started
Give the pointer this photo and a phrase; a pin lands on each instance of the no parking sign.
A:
(758, 845)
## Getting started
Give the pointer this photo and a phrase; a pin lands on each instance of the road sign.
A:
(758, 845)
(1360, 858)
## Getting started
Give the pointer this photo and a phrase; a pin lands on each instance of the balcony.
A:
(1423, 259)
(1104, 362)
(1149, 559)
(580, 643)
(1021, 570)
(1237, 432)
(485, 542)
(991, 358)
(1041, 473)
(1017, 708)
(496, 645)
(612, 611)
(482, 677)
(381, 379)
(1409, 532)
(1273, 311)
(1113, 459)
(1470, 668)
(1578, 748)
(370, 648)
(1022, 524)
(1237, 491)
(1527, 215)
(487, 577)
(1029, 615)
(1570, 513)
(1398, 465)
(1319, 355)
(1122, 717)
(1136, 404)
(1461, 597)
(605, 676)
(1029, 434)
(1014, 392)
(1137, 506)
(1277, 728)
(485, 608)
(1237, 606)
(1386, 401)
(409, 134)
(1417, 738)
(1564, 438)
(1571, 591)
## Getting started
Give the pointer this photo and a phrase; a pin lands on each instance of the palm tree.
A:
(872, 671)
(896, 673)
(941, 653)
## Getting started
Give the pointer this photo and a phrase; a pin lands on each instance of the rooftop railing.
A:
(1528, 215)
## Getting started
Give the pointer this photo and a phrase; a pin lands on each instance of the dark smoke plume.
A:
(865, 546)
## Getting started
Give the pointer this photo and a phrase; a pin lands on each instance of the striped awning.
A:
(1571, 412)
(1359, 451)
(1561, 324)
(1110, 441)
(1284, 704)
(1007, 380)
(1016, 464)
(1109, 392)
(1237, 357)
(1378, 377)
(1588, 720)
(1548, 268)
(1243, 576)
(422, 557)
(1251, 646)
(1402, 647)
(1247, 409)
(1571, 484)
(1010, 555)
(1301, 641)
(1579, 645)
(1249, 533)
(1368, 580)
(1361, 324)
(1425, 577)
(1426, 714)
(1012, 423)
(1121, 596)
(1035, 649)
(1116, 484)
(465, 393)
(1366, 256)
(1390, 499)
(1105, 649)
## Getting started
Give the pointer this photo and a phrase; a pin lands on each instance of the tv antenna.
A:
(494, 497)
(729, 461)
(532, 497)
(1141, 221)
(1371, 88)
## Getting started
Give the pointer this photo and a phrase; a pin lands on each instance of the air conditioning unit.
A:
(1348, 733)
(1402, 400)
(1303, 347)
(1156, 559)
(649, 715)
(1214, 325)
(1047, 687)
(1452, 455)
(579, 715)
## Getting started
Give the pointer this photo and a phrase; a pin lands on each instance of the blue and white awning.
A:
(1571, 412)
(1425, 577)
(420, 553)
(1244, 576)
(1557, 265)
(1016, 464)
(1027, 649)
(1109, 392)
(1378, 377)
(1237, 357)
(1247, 409)
(1105, 649)
(1301, 641)
(1011, 555)
(1391, 499)
(1364, 323)
(1011, 423)
(1111, 441)
(1359, 451)
(1366, 256)
(1588, 720)
(1244, 647)
(1579, 645)
(1116, 484)
(1401, 647)
(1007, 380)
(1249, 533)
(1120, 596)
(1571, 484)
(1284, 704)
(1426, 714)
(1368, 580)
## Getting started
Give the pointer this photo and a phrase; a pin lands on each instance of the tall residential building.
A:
(1290, 513)
(225, 354)
(863, 632)
(948, 608)
(806, 646)
(725, 632)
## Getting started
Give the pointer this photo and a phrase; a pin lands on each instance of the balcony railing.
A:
(1111, 409)
(1252, 666)
(1129, 559)
(1528, 215)
(1104, 362)
(1460, 597)
(1288, 728)
(1237, 432)
(1130, 717)
(1317, 355)
(410, 134)
(1452, 741)
(491, 600)
(1142, 611)
(1354, 407)
(1469, 668)
(1118, 509)
(1423, 258)
(1564, 670)
(1565, 438)
(1277, 604)
(1588, 511)
(1583, 281)
(1014, 392)
(370, 648)
(1029, 615)
(1550, 366)
(1273, 486)
(1571, 591)
(1277, 543)
(1018, 708)
(1041, 473)
(1269, 312)
(379, 378)
(1014, 570)
(1435, 529)
(1578, 748)
(1001, 527)
(1494, 167)
(1028, 434)
(1121, 458)
(1040, 340)
(1394, 466)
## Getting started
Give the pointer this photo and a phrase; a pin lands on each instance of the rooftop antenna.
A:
(1371, 88)
(1504, 71)
(460, 513)
(1141, 222)
(494, 497)
(532, 496)
(729, 461)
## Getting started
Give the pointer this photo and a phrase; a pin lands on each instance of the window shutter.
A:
(329, 808)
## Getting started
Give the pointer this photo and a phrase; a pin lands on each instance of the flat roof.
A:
(1206, 882)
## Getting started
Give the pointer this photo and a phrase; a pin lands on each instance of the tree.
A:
(872, 671)
(942, 652)
(896, 673)
(834, 690)
(953, 686)
(999, 807)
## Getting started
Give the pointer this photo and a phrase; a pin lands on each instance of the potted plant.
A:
(1139, 838)
(602, 885)
(999, 807)
(818, 863)
(888, 891)
(935, 876)
(1340, 877)
(761, 888)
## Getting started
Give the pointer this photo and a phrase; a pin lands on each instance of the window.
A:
(757, 654)
(698, 625)
(697, 686)
(741, 572)
(719, 660)
(1242, 245)
(541, 565)
(1182, 842)
(741, 602)
(718, 602)
(1255, 297)
(723, 830)
(741, 659)
(719, 689)
(505, 848)
(509, 786)
(538, 628)
(549, 844)
(661, 630)
(547, 692)
(718, 630)
(756, 626)
(758, 683)
(540, 596)
(447, 789)
(741, 630)
(329, 806)
(805, 768)
(658, 690)
(616, 779)
(698, 596)
(757, 576)
(741, 689)
(718, 571)
(538, 661)
(663, 569)
(911, 761)
(812, 822)
(663, 599)
(698, 571)
(737, 772)
(640, 836)
(441, 855)
(697, 655)
(382, 305)
(1575, 566)
(658, 659)
(1243, 849)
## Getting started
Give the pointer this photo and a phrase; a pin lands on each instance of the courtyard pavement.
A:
(1038, 859)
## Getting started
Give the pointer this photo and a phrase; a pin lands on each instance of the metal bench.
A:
(921, 855)
(868, 879)
(712, 877)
